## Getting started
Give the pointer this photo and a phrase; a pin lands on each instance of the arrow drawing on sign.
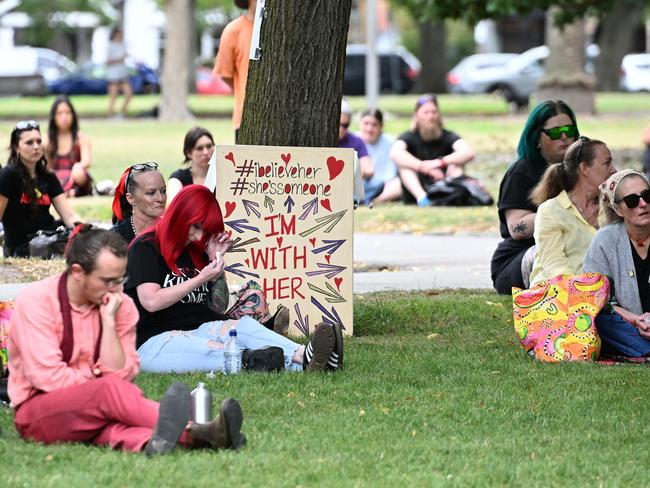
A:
(331, 245)
(302, 325)
(240, 225)
(332, 296)
(330, 318)
(237, 246)
(269, 203)
(311, 206)
(249, 206)
(328, 221)
(289, 203)
(329, 270)
(233, 268)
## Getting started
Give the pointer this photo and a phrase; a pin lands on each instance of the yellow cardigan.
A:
(562, 237)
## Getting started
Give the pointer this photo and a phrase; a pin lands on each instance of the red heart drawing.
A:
(247, 263)
(335, 166)
(313, 241)
(265, 186)
(279, 240)
(231, 157)
(230, 208)
(309, 170)
(260, 172)
(325, 202)
(280, 170)
(337, 282)
(305, 187)
(286, 158)
(327, 257)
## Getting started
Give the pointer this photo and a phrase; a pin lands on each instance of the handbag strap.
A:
(67, 343)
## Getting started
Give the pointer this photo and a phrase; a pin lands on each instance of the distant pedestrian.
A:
(231, 62)
(198, 147)
(646, 151)
(117, 72)
(428, 153)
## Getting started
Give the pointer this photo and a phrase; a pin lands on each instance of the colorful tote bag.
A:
(555, 319)
(5, 314)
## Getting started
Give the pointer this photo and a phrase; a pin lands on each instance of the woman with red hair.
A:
(172, 268)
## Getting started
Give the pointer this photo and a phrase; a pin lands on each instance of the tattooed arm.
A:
(520, 223)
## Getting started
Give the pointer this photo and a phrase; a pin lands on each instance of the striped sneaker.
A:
(320, 347)
(335, 361)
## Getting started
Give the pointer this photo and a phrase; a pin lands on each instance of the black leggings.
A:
(509, 275)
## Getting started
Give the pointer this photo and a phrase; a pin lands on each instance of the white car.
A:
(26, 70)
(635, 73)
(475, 73)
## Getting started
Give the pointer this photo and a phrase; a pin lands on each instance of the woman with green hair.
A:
(549, 131)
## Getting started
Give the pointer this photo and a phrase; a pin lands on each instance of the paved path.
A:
(419, 261)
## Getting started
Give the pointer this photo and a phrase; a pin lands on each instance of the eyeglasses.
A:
(632, 200)
(27, 124)
(554, 133)
(346, 125)
(136, 168)
(111, 282)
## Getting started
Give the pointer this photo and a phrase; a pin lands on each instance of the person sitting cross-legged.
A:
(72, 357)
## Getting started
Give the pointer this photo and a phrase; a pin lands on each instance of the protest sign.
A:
(290, 212)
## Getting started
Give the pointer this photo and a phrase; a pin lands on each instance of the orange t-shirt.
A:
(232, 60)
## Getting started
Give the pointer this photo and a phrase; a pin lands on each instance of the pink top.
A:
(34, 345)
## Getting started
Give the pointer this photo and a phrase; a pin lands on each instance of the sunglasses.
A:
(27, 124)
(632, 200)
(136, 168)
(426, 99)
(554, 133)
(582, 140)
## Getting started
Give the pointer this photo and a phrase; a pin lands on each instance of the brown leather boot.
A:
(221, 433)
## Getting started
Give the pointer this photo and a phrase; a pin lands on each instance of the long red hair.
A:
(194, 204)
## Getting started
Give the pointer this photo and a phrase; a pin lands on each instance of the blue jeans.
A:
(620, 336)
(199, 349)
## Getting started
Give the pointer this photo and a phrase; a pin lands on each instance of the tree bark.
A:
(433, 55)
(176, 61)
(293, 93)
(565, 77)
(615, 41)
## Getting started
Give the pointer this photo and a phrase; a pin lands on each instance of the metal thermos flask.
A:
(201, 404)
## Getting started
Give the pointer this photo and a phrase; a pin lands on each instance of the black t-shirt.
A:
(642, 269)
(424, 150)
(146, 265)
(514, 192)
(183, 175)
(125, 229)
(19, 220)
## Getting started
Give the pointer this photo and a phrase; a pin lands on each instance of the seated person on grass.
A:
(27, 190)
(173, 270)
(567, 217)
(72, 358)
(619, 250)
(428, 152)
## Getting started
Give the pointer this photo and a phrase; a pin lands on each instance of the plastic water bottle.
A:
(232, 353)
(201, 404)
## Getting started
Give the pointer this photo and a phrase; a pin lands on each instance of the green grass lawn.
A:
(435, 391)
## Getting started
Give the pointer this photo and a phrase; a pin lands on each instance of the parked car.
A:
(90, 79)
(207, 83)
(398, 70)
(476, 73)
(26, 70)
(635, 72)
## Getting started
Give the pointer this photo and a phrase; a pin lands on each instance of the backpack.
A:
(269, 358)
(463, 191)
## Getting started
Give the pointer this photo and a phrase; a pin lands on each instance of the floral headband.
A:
(609, 187)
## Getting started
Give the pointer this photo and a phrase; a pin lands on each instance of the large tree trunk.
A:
(433, 39)
(176, 62)
(565, 77)
(615, 41)
(293, 93)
